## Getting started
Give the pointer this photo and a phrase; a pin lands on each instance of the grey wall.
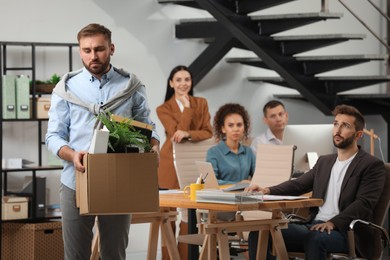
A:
(143, 32)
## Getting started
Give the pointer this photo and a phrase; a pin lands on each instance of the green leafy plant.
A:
(53, 80)
(123, 136)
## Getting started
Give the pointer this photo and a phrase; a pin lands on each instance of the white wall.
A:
(143, 32)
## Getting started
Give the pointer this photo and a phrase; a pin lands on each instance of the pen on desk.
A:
(204, 179)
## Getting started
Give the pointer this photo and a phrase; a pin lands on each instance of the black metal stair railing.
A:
(383, 42)
(232, 26)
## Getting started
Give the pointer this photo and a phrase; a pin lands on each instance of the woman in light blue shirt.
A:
(232, 161)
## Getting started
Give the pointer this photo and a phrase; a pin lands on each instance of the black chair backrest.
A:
(384, 200)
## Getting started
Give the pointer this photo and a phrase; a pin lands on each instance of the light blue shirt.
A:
(266, 138)
(72, 125)
(230, 167)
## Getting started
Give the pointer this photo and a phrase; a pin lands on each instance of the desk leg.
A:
(153, 240)
(170, 240)
(212, 246)
(223, 245)
(278, 242)
(193, 250)
(262, 245)
(204, 253)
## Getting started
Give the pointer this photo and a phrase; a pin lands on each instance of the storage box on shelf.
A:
(34, 241)
(43, 106)
(13, 207)
(17, 109)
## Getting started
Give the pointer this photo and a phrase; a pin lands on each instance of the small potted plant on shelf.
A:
(46, 86)
(123, 136)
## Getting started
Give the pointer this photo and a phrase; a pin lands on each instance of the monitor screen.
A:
(308, 139)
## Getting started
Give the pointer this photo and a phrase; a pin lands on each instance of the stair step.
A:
(319, 64)
(271, 24)
(315, 64)
(342, 96)
(266, 24)
(369, 104)
(338, 84)
(239, 7)
(332, 84)
(295, 44)
(174, 1)
(273, 80)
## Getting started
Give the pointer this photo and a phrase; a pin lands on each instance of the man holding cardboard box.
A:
(76, 101)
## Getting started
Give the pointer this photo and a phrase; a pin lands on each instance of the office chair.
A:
(184, 157)
(381, 240)
(274, 165)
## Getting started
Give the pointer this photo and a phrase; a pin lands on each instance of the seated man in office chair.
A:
(275, 116)
(354, 182)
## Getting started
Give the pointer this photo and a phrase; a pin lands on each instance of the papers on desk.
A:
(282, 197)
(237, 187)
(170, 192)
(219, 196)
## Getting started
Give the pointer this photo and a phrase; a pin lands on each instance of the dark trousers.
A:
(299, 238)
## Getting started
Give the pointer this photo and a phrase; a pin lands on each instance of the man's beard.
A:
(345, 143)
(100, 70)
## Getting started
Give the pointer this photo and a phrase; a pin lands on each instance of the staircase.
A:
(233, 26)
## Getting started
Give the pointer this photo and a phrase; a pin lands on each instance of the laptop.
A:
(211, 182)
(206, 170)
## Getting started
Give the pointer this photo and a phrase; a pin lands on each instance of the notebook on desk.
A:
(237, 187)
(206, 170)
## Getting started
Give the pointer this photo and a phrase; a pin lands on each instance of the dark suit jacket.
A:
(361, 188)
(195, 120)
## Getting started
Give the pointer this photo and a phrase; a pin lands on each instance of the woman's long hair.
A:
(170, 91)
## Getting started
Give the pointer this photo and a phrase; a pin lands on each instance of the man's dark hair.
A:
(94, 29)
(351, 111)
(272, 104)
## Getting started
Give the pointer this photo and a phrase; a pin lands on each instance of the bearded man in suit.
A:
(350, 182)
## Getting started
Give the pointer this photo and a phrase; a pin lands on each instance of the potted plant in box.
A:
(123, 137)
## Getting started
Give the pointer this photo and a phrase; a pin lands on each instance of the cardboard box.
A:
(33, 241)
(118, 183)
(43, 106)
(13, 207)
(15, 163)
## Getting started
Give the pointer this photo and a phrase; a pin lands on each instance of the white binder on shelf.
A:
(9, 100)
(22, 97)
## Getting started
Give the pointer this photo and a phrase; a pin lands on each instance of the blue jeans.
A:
(299, 238)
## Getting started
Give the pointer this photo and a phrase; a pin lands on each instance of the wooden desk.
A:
(217, 231)
(157, 220)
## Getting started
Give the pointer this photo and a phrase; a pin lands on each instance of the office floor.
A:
(243, 257)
